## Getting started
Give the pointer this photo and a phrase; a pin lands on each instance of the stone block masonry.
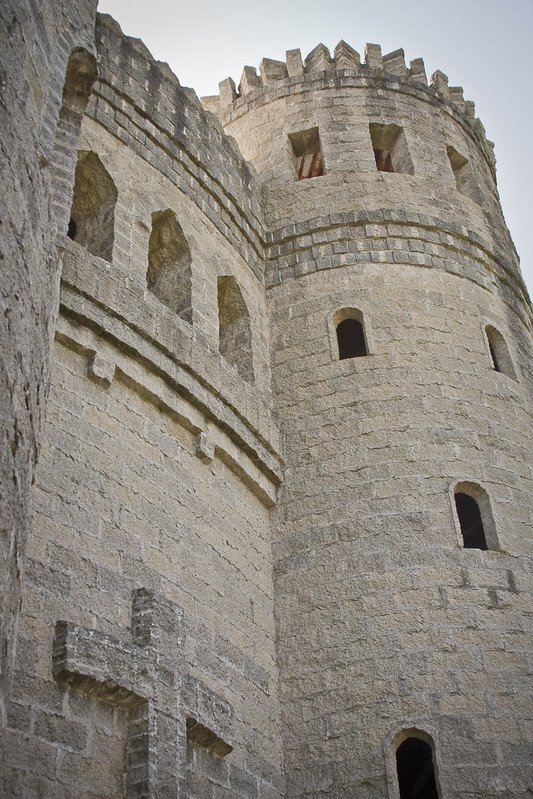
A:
(47, 67)
(384, 633)
(278, 543)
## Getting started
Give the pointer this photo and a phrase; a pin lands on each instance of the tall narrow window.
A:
(350, 333)
(204, 760)
(469, 516)
(499, 352)
(307, 153)
(169, 264)
(235, 332)
(474, 514)
(390, 148)
(92, 222)
(416, 770)
(79, 77)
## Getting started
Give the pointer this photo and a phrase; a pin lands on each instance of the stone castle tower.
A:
(278, 541)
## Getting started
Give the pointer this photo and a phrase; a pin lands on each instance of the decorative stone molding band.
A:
(170, 367)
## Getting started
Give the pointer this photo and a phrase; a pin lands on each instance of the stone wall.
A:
(222, 502)
(388, 626)
(46, 72)
(385, 621)
(159, 469)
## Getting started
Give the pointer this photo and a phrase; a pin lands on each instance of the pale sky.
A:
(482, 45)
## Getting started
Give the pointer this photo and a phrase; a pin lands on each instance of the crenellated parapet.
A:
(344, 68)
(278, 541)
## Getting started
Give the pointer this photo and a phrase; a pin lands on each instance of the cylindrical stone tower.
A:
(402, 377)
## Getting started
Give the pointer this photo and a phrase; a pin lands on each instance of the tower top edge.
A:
(344, 57)
(272, 75)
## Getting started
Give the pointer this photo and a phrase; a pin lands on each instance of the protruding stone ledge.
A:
(353, 237)
(121, 334)
(117, 672)
(101, 370)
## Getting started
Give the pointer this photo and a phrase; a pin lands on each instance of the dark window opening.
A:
(307, 153)
(416, 772)
(470, 521)
(71, 231)
(383, 160)
(390, 148)
(351, 339)
(458, 163)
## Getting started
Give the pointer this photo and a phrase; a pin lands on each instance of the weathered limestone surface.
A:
(245, 576)
(385, 621)
(40, 107)
(160, 466)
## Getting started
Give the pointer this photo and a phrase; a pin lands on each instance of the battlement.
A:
(276, 76)
(278, 541)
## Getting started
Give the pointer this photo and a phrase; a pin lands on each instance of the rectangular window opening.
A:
(307, 153)
(390, 148)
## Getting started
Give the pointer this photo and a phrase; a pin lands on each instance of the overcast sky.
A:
(482, 45)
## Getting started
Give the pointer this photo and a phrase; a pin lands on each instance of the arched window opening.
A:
(416, 770)
(458, 163)
(350, 332)
(92, 222)
(499, 353)
(469, 516)
(235, 332)
(474, 514)
(390, 148)
(169, 274)
(80, 75)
